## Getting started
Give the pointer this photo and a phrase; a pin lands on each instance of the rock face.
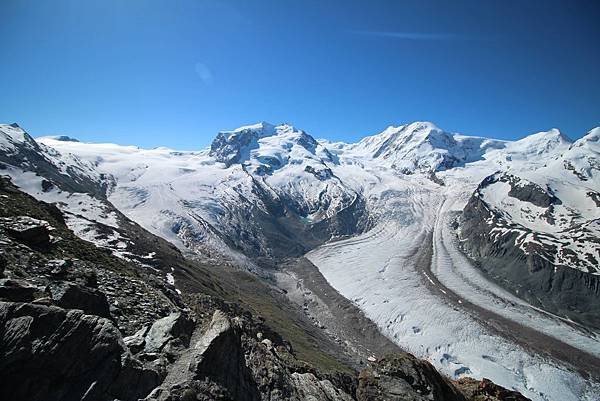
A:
(404, 377)
(227, 362)
(176, 326)
(228, 147)
(18, 290)
(309, 387)
(48, 353)
(30, 231)
(485, 390)
(231, 372)
(73, 296)
(60, 337)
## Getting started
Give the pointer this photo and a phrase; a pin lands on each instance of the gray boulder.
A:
(74, 296)
(176, 326)
(137, 341)
(27, 230)
(309, 387)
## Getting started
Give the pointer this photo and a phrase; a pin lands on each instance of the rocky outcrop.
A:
(320, 174)
(404, 377)
(64, 307)
(16, 290)
(48, 353)
(533, 193)
(227, 362)
(227, 146)
(30, 231)
(74, 296)
(175, 327)
(232, 372)
(486, 390)
(309, 387)
(78, 274)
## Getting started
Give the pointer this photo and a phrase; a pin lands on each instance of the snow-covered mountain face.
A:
(421, 147)
(263, 180)
(264, 148)
(552, 200)
(282, 173)
(260, 191)
(66, 171)
(524, 212)
(290, 162)
(79, 190)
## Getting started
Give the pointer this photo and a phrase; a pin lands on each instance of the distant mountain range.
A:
(524, 214)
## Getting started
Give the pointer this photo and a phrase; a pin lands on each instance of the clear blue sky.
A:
(174, 73)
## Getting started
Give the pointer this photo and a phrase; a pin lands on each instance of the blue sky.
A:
(170, 73)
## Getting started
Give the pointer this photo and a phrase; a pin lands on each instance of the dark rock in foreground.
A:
(73, 296)
(48, 353)
(404, 377)
(486, 390)
(30, 231)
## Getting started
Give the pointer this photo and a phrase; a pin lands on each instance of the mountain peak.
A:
(245, 142)
(61, 138)
(552, 134)
(12, 136)
(541, 143)
(592, 135)
(414, 127)
(422, 126)
(261, 126)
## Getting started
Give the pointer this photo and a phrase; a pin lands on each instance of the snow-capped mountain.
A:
(288, 161)
(66, 171)
(79, 190)
(264, 147)
(504, 225)
(583, 158)
(220, 198)
(421, 147)
(260, 190)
